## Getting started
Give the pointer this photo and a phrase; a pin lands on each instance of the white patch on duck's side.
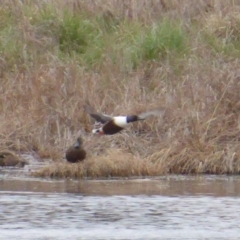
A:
(97, 130)
(120, 121)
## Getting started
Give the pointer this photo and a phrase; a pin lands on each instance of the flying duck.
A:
(76, 153)
(113, 125)
(9, 159)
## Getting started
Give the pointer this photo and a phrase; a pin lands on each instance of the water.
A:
(176, 207)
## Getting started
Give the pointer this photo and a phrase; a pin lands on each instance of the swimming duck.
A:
(113, 125)
(9, 159)
(76, 153)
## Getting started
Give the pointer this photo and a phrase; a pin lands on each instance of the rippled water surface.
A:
(176, 207)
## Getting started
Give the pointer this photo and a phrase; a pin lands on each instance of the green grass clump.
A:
(162, 39)
(10, 43)
(82, 36)
(134, 43)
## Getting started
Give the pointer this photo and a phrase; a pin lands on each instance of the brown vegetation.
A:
(114, 164)
(123, 65)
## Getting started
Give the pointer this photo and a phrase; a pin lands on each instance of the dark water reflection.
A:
(176, 207)
(167, 186)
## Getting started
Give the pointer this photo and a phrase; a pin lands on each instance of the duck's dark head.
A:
(78, 143)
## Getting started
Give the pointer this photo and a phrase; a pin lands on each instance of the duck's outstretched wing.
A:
(99, 117)
(157, 112)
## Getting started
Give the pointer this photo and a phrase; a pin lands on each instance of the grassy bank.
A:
(123, 57)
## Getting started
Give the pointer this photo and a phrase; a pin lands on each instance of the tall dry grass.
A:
(123, 57)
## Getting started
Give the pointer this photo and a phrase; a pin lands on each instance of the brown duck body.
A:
(110, 128)
(9, 159)
(116, 124)
(76, 153)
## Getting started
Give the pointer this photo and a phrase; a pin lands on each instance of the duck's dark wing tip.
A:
(102, 118)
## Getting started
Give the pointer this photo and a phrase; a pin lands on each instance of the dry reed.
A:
(56, 55)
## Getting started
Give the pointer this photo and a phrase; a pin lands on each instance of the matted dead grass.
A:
(115, 163)
(43, 89)
(224, 24)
